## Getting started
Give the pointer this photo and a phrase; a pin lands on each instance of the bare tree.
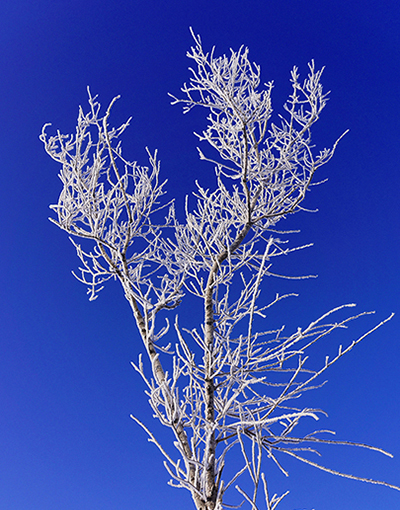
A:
(229, 386)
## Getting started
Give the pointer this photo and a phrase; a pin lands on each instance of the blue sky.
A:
(66, 384)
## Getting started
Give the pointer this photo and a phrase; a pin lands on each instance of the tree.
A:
(227, 385)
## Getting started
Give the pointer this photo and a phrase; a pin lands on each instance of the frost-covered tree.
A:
(222, 385)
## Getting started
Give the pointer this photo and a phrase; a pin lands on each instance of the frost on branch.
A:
(224, 386)
(109, 200)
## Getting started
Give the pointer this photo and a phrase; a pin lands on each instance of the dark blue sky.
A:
(66, 384)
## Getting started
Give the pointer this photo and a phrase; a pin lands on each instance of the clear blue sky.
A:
(66, 384)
